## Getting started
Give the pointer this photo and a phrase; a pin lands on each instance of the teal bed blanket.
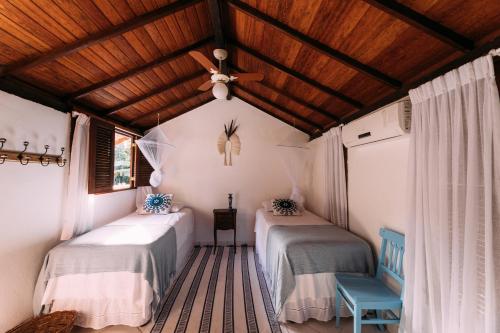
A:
(143, 248)
(310, 249)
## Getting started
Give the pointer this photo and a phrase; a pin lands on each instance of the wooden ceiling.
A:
(325, 62)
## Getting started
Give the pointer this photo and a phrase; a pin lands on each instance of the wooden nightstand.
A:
(224, 219)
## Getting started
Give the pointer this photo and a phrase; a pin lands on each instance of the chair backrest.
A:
(392, 251)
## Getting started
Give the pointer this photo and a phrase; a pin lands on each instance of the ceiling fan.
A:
(218, 79)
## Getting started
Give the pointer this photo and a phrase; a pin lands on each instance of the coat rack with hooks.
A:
(24, 157)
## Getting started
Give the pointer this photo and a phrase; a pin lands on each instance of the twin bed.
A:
(118, 274)
(299, 256)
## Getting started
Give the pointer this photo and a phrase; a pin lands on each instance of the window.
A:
(115, 162)
(123, 157)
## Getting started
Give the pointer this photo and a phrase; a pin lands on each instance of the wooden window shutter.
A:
(143, 169)
(102, 151)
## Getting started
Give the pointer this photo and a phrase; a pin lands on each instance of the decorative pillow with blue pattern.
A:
(159, 203)
(285, 207)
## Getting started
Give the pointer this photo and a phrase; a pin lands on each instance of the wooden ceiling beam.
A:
(296, 100)
(297, 75)
(219, 24)
(214, 10)
(154, 92)
(141, 69)
(468, 57)
(286, 121)
(423, 23)
(165, 108)
(316, 45)
(279, 107)
(32, 93)
(98, 37)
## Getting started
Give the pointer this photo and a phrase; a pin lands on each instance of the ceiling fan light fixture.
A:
(220, 90)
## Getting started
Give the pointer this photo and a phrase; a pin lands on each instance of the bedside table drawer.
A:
(224, 221)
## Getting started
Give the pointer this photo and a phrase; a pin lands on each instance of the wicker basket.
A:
(56, 322)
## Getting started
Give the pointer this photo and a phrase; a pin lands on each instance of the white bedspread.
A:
(99, 297)
(314, 294)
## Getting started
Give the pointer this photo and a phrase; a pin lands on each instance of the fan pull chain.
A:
(158, 119)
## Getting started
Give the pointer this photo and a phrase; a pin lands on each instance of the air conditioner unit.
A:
(389, 122)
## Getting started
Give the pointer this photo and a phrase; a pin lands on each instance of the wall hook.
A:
(44, 161)
(24, 159)
(60, 160)
(3, 157)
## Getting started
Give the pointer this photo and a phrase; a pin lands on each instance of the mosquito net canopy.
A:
(294, 155)
(155, 148)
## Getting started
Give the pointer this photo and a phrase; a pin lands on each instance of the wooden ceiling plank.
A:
(423, 23)
(279, 107)
(155, 91)
(297, 75)
(468, 57)
(141, 69)
(301, 102)
(316, 45)
(274, 115)
(166, 108)
(98, 37)
(296, 100)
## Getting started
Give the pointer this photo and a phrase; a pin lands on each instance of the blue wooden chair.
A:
(370, 293)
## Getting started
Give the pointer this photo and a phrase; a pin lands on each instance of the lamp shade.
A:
(220, 90)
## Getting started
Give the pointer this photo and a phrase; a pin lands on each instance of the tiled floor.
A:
(311, 326)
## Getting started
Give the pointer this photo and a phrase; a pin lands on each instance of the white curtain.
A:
(140, 195)
(452, 254)
(335, 182)
(155, 148)
(78, 206)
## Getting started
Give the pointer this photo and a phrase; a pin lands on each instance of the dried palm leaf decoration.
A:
(229, 143)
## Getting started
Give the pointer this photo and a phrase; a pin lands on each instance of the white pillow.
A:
(159, 203)
(268, 205)
(177, 206)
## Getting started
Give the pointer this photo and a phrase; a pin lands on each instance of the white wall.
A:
(31, 202)
(377, 187)
(111, 206)
(196, 174)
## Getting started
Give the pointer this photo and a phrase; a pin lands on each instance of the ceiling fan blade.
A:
(200, 57)
(248, 76)
(205, 85)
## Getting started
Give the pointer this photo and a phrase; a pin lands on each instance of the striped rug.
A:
(221, 292)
